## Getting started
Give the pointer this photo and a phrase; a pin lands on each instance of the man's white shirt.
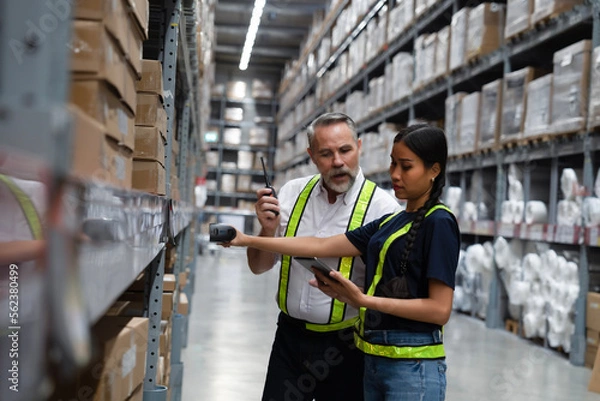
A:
(322, 219)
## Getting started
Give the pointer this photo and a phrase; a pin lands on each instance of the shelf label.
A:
(592, 236)
(537, 232)
(565, 234)
(506, 230)
(484, 227)
(465, 226)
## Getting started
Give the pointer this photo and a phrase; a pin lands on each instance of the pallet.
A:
(512, 326)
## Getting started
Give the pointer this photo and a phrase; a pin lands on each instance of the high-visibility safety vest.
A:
(29, 210)
(434, 351)
(346, 264)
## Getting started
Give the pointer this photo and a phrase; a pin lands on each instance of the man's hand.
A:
(265, 208)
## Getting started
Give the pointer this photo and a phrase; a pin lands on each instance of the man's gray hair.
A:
(329, 119)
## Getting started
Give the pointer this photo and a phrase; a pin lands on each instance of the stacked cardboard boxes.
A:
(592, 328)
(106, 63)
(150, 131)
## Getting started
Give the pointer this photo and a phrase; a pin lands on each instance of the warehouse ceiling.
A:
(283, 28)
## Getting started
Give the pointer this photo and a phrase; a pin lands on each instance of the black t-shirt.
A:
(434, 256)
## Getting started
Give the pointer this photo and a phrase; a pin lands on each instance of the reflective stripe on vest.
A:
(290, 231)
(346, 264)
(391, 351)
(31, 214)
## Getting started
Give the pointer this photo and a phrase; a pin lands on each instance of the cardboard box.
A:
(121, 367)
(183, 278)
(594, 112)
(590, 356)
(595, 379)
(97, 99)
(593, 311)
(183, 306)
(539, 106)
(169, 284)
(485, 29)
(149, 144)
(491, 115)
(97, 156)
(150, 112)
(570, 87)
(518, 14)
(592, 338)
(140, 10)
(120, 22)
(88, 146)
(151, 79)
(95, 55)
(149, 176)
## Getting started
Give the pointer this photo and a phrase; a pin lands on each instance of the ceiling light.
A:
(259, 5)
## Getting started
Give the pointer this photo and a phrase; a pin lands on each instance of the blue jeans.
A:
(389, 379)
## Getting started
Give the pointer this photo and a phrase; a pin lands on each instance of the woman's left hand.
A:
(337, 286)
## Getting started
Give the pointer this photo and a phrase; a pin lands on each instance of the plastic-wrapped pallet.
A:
(429, 52)
(228, 183)
(452, 121)
(518, 14)
(245, 160)
(403, 75)
(570, 87)
(491, 111)
(420, 7)
(594, 113)
(543, 9)
(232, 136)
(236, 90)
(262, 89)
(485, 29)
(442, 52)
(244, 182)
(469, 123)
(400, 18)
(258, 136)
(514, 102)
(458, 38)
(539, 102)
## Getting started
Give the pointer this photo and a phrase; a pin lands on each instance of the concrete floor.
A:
(231, 329)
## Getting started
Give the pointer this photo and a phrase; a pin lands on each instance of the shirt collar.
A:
(352, 193)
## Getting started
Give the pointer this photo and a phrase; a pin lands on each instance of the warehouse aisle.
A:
(233, 320)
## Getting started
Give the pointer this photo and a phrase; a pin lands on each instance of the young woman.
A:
(411, 260)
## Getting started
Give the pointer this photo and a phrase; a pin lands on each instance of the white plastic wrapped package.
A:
(453, 197)
(536, 212)
(568, 213)
(591, 211)
(469, 212)
(569, 184)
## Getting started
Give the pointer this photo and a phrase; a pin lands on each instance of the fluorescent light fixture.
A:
(259, 5)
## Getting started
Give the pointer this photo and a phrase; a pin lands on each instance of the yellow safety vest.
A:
(346, 264)
(31, 214)
(392, 351)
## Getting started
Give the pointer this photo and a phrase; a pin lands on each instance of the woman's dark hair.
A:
(429, 143)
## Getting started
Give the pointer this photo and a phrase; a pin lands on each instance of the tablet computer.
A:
(310, 263)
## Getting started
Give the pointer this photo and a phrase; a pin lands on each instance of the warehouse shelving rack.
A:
(126, 231)
(225, 203)
(531, 48)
